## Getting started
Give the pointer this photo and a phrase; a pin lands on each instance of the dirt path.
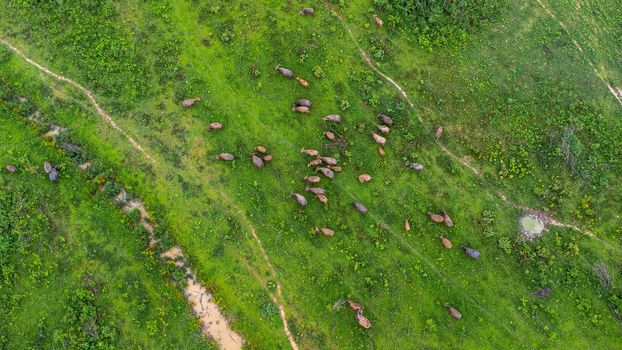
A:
(612, 90)
(213, 323)
(85, 91)
(462, 160)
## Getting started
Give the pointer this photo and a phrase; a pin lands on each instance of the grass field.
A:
(514, 95)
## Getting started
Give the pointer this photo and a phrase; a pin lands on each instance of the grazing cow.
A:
(379, 22)
(415, 166)
(214, 126)
(47, 166)
(335, 168)
(310, 152)
(314, 163)
(332, 118)
(190, 102)
(315, 190)
(325, 231)
(267, 158)
(302, 102)
(447, 219)
(453, 311)
(381, 151)
(329, 135)
(329, 160)
(299, 198)
(53, 175)
(383, 129)
(379, 139)
(365, 178)
(354, 305)
(286, 72)
(436, 218)
(362, 320)
(360, 207)
(261, 149)
(385, 119)
(226, 156)
(322, 198)
(313, 179)
(439, 132)
(326, 172)
(300, 109)
(446, 242)
(307, 11)
(303, 83)
(257, 162)
(470, 252)
(10, 168)
(407, 225)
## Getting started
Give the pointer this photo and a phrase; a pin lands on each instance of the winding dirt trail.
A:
(462, 160)
(213, 323)
(612, 90)
(86, 92)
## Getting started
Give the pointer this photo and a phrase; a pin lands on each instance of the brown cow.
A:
(436, 218)
(329, 160)
(379, 22)
(325, 231)
(286, 72)
(329, 135)
(303, 82)
(214, 126)
(257, 162)
(453, 311)
(190, 102)
(439, 132)
(383, 129)
(299, 198)
(300, 109)
(10, 168)
(322, 198)
(261, 149)
(360, 207)
(385, 119)
(314, 163)
(315, 190)
(446, 242)
(365, 178)
(313, 179)
(379, 139)
(226, 156)
(332, 118)
(310, 152)
(302, 102)
(447, 219)
(326, 172)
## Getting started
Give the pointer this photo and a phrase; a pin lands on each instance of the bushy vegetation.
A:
(439, 23)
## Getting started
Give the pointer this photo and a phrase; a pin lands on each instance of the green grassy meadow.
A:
(513, 94)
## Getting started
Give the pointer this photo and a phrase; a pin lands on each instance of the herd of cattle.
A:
(326, 167)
